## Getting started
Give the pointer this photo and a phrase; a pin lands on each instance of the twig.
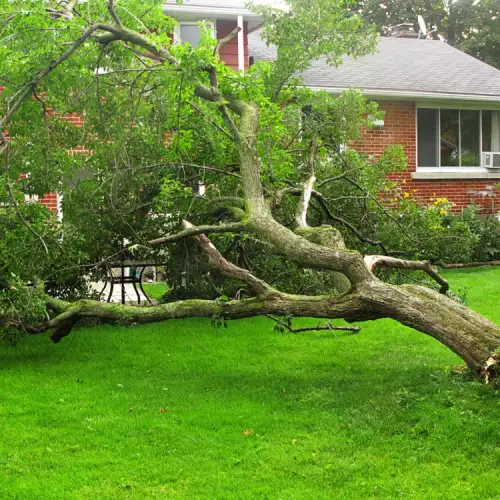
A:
(13, 198)
(212, 122)
(332, 179)
(189, 165)
(327, 326)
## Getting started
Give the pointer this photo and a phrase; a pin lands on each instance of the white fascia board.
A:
(199, 11)
(414, 95)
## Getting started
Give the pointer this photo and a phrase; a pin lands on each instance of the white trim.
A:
(464, 105)
(435, 175)
(411, 94)
(416, 137)
(210, 12)
(481, 137)
(453, 170)
(459, 138)
(438, 143)
(241, 45)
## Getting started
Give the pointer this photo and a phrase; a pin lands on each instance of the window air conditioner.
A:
(491, 160)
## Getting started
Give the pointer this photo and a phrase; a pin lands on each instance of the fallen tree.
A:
(240, 110)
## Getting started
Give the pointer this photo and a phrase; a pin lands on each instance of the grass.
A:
(181, 410)
(155, 290)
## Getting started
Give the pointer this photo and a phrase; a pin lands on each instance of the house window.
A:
(191, 33)
(451, 138)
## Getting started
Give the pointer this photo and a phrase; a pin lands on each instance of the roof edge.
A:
(226, 12)
(411, 94)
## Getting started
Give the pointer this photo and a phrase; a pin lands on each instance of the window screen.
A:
(428, 138)
(450, 152)
(456, 138)
(470, 138)
(190, 33)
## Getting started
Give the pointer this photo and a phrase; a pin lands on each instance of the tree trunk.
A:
(472, 337)
(468, 334)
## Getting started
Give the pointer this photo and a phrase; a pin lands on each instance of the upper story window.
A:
(191, 32)
(456, 137)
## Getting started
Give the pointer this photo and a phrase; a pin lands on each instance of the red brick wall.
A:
(229, 51)
(400, 128)
(50, 201)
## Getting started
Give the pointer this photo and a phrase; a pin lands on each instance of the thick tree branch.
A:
(237, 227)
(225, 40)
(351, 307)
(374, 261)
(115, 33)
(219, 262)
(305, 198)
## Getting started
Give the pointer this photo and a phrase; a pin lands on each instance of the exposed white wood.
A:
(59, 207)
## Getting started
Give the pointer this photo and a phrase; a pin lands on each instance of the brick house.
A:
(441, 105)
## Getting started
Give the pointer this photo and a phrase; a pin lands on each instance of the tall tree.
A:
(258, 141)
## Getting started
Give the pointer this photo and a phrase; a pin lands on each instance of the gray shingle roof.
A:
(401, 65)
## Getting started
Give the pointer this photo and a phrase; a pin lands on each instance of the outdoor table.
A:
(122, 280)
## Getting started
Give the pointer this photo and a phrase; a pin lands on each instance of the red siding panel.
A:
(229, 51)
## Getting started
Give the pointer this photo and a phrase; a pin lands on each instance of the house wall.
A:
(400, 128)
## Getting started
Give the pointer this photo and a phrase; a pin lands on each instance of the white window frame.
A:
(211, 25)
(450, 170)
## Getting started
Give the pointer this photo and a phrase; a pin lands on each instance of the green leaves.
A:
(311, 29)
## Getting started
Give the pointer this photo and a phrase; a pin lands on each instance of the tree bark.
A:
(471, 336)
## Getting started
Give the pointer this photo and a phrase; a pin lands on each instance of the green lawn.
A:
(181, 410)
(155, 290)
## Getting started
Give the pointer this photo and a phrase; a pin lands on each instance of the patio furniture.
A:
(122, 280)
